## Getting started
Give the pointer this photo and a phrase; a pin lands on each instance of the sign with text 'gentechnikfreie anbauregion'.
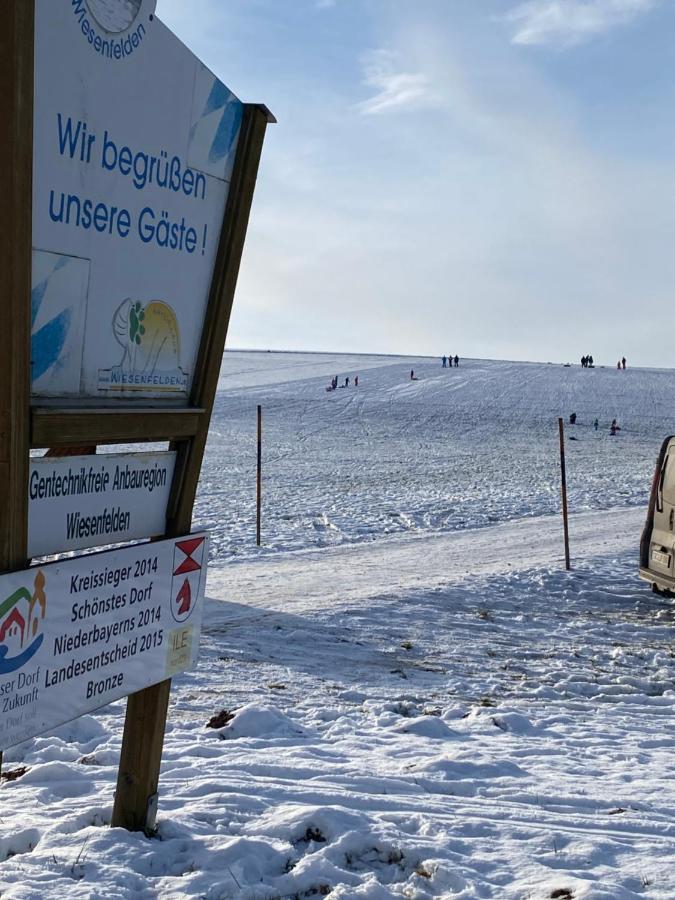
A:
(134, 145)
(78, 634)
(88, 501)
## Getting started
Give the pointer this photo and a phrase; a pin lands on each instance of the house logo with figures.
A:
(149, 336)
(22, 615)
(113, 28)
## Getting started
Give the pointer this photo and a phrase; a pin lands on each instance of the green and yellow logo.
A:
(150, 340)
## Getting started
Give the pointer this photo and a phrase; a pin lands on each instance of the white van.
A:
(657, 545)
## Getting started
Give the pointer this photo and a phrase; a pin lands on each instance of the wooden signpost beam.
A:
(138, 778)
(217, 320)
(59, 427)
(16, 162)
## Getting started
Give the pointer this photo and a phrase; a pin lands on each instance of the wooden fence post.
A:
(563, 477)
(259, 479)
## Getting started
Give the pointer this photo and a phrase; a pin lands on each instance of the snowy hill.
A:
(417, 700)
(458, 448)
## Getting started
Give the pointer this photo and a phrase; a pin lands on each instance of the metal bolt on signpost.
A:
(259, 479)
(563, 478)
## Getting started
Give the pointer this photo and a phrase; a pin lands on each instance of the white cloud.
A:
(509, 220)
(395, 90)
(572, 21)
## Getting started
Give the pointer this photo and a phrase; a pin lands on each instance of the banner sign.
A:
(86, 501)
(76, 635)
(134, 144)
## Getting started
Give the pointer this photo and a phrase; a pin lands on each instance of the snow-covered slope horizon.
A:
(363, 354)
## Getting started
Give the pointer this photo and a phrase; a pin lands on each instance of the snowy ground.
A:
(419, 701)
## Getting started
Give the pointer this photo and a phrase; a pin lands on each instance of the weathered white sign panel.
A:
(134, 143)
(79, 634)
(86, 501)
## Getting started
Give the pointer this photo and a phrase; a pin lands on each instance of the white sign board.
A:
(134, 144)
(86, 501)
(78, 634)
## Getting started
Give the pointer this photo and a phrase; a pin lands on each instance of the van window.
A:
(669, 480)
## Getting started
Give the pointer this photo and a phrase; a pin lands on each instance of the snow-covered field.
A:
(459, 448)
(417, 700)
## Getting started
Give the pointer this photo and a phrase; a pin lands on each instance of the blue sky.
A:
(491, 178)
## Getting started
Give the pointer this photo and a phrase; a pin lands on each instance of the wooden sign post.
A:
(138, 777)
(16, 155)
(76, 391)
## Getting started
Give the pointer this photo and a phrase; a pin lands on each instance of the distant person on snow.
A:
(623, 363)
(573, 419)
(590, 362)
(412, 374)
(356, 381)
(445, 362)
(347, 381)
(584, 362)
(614, 427)
(618, 365)
(595, 424)
(456, 361)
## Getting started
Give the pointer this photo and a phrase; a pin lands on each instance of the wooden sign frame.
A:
(68, 430)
